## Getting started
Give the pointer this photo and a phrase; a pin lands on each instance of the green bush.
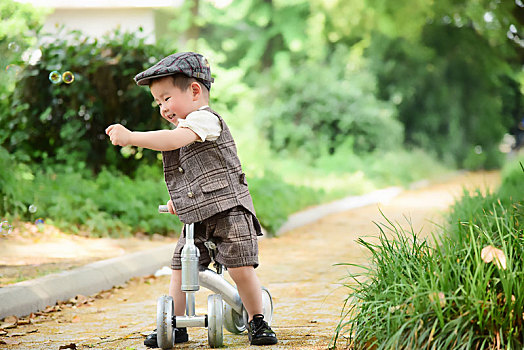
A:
(19, 24)
(513, 180)
(318, 107)
(15, 185)
(106, 205)
(431, 81)
(275, 199)
(446, 295)
(65, 123)
(114, 204)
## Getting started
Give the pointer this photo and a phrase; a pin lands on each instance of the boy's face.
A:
(174, 103)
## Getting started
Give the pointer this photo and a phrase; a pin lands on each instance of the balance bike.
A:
(224, 308)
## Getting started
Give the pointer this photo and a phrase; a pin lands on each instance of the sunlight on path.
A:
(298, 268)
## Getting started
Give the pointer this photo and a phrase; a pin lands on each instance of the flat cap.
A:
(192, 64)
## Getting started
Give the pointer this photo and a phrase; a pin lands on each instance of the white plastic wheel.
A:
(267, 305)
(233, 321)
(215, 320)
(164, 322)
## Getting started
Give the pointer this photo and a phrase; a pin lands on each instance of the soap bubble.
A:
(39, 221)
(5, 228)
(32, 208)
(55, 77)
(68, 77)
(13, 46)
(13, 68)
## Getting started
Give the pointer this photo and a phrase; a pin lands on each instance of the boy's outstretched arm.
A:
(159, 140)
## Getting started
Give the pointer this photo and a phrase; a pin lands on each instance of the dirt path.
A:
(296, 267)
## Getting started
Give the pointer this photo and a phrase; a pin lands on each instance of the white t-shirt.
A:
(203, 123)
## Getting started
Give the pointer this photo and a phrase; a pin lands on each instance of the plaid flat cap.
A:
(189, 63)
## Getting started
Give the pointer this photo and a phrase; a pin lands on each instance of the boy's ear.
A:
(196, 89)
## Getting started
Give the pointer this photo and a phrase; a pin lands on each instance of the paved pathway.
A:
(297, 267)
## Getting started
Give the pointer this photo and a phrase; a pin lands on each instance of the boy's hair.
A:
(183, 82)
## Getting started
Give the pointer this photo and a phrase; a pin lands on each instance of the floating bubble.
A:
(32, 208)
(13, 46)
(68, 77)
(5, 228)
(55, 77)
(39, 221)
(13, 68)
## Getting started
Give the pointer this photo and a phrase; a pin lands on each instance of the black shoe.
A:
(260, 333)
(180, 337)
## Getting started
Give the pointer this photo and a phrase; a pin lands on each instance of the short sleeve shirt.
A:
(203, 123)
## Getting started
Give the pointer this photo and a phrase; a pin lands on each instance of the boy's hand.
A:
(118, 134)
(171, 207)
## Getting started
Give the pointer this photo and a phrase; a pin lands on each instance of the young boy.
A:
(205, 182)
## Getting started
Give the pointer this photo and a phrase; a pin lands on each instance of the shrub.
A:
(106, 205)
(416, 296)
(513, 180)
(65, 123)
(449, 295)
(16, 185)
(323, 105)
(275, 200)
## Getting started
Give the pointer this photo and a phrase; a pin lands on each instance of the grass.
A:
(114, 204)
(443, 292)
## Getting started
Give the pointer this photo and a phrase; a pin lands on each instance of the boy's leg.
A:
(179, 299)
(176, 293)
(250, 292)
(249, 288)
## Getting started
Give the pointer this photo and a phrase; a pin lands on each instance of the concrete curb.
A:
(25, 297)
(313, 214)
(30, 296)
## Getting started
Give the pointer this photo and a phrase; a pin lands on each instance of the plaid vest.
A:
(206, 178)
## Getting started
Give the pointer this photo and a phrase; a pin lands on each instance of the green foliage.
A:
(114, 204)
(15, 185)
(252, 34)
(451, 88)
(107, 205)
(65, 123)
(317, 109)
(451, 70)
(447, 295)
(512, 180)
(275, 200)
(19, 24)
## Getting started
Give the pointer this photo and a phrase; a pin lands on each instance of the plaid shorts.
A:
(234, 231)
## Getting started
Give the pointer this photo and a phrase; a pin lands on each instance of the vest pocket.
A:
(214, 185)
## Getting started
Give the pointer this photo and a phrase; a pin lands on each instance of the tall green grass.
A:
(440, 293)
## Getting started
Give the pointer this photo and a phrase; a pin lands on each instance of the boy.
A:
(205, 182)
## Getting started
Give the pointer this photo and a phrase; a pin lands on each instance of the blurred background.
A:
(324, 98)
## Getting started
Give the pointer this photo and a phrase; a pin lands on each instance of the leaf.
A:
(440, 296)
(495, 255)
(8, 325)
(9, 341)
